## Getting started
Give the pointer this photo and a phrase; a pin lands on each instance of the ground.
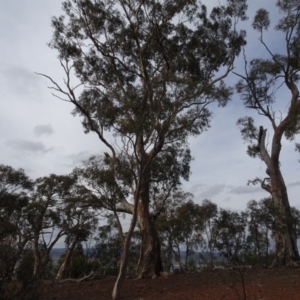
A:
(260, 284)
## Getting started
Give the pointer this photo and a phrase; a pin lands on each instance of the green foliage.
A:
(108, 250)
(149, 72)
(231, 235)
(263, 78)
(16, 265)
(80, 264)
(261, 20)
(256, 260)
(25, 268)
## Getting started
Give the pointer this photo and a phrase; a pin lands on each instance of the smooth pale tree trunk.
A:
(169, 256)
(63, 268)
(117, 291)
(37, 258)
(179, 258)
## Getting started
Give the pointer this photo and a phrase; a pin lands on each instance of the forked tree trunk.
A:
(150, 263)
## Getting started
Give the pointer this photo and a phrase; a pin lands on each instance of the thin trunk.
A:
(63, 268)
(210, 246)
(267, 249)
(211, 257)
(37, 257)
(179, 258)
(117, 291)
(169, 263)
(186, 257)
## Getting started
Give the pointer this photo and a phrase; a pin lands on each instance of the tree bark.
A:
(37, 257)
(286, 251)
(62, 270)
(150, 263)
(117, 291)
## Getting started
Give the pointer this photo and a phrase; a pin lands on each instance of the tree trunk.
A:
(117, 291)
(169, 256)
(150, 263)
(179, 258)
(37, 258)
(62, 270)
(267, 248)
(286, 252)
(187, 254)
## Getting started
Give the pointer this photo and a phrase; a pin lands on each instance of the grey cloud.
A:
(213, 191)
(21, 81)
(77, 158)
(245, 189)
(195, 188)
(40, 130)
(26, 146)
(227, 199)
(296, 183)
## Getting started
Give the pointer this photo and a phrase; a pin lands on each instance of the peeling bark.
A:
(286, 251)
(150, 263)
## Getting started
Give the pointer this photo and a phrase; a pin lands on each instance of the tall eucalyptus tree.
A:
(258, 88)
(148, 70)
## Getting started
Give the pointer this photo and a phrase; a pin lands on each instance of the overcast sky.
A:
(38, 132)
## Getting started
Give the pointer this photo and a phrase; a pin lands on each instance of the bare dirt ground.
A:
(260, 284)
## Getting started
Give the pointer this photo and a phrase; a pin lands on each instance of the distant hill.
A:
(57, 252)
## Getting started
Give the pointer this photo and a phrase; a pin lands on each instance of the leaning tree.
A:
(258, 88)
(148, 71)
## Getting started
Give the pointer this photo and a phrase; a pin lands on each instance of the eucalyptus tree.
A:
(111, 191)
(167, 226)
(261, 227)
(188, 227)
(231, 238)
(209, 215)
(14, 234)
(148, 71)
(78, 222)
(259, 87)
(14, 188)
(44, 216)
(296, 220)
(108, 248)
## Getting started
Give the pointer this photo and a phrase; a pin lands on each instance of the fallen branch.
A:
(91, 276)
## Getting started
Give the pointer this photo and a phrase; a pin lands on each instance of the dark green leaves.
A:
(261, 20)
(139, 63)
(248, 130)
